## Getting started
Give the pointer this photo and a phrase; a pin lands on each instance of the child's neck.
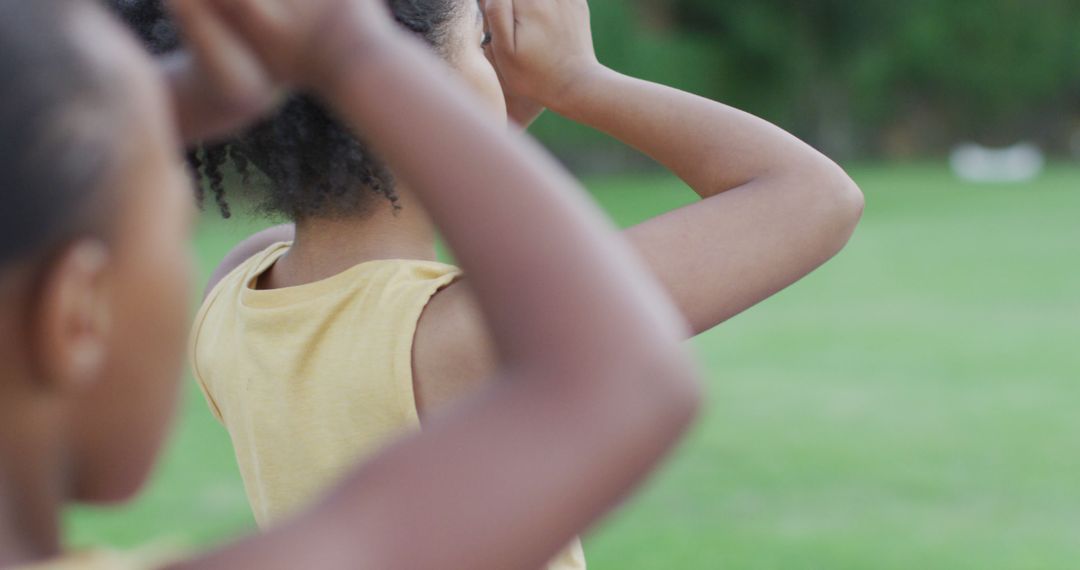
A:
(326, 247)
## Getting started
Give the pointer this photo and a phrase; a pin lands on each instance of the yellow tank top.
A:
(309, 380)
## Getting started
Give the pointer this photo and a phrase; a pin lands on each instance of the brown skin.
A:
(93, 335)
(772, 210)
(216, 86)
(93, 330)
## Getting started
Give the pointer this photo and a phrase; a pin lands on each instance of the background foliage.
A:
(858, 78)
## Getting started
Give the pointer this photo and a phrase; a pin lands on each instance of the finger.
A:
(260, 22)
(275, 12)
(196, 22)
(500, 18)
(224, 57)
(530, 9)
(205, 35)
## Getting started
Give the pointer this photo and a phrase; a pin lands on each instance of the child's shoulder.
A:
(390, 273)
(384, 287)
(412, 269)
(247, 270)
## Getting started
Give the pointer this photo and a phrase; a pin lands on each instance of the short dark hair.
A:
(53, 155)
(302, 162)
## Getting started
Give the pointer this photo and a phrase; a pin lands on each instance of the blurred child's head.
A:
(303, 163)
(94, 267)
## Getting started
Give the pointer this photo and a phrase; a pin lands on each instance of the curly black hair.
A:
(307, 164)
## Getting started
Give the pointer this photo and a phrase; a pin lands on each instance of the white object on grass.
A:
(1018, 163)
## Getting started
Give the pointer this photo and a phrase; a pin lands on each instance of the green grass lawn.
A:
(913, 404)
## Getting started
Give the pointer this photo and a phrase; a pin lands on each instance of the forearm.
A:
(711, 146)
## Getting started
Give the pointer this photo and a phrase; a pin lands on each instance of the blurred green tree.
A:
(860, 77)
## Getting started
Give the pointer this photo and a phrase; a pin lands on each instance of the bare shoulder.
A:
(453, 355)
(247, 248)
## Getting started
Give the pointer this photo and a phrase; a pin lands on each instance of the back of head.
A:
(302, 162)
(51, 151)
(93, 278)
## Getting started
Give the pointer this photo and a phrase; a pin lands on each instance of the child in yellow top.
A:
(772, 210)
(315, 375)
(94, 284)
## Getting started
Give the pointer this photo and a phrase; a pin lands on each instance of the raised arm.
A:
(596, 387)
(774, 209)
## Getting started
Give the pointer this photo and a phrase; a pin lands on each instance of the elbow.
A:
(838, 202)
(647, 393)
(670, 389)
(686, 396)
(850, 201)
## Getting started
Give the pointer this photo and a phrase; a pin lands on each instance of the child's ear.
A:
(73, 318)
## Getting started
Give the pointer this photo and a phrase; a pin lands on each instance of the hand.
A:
(541, 48)
(303, 42)
(218, 83)
(521, 110)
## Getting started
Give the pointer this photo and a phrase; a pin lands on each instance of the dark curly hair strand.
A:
(302, 162)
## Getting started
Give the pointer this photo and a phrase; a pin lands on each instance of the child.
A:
(317, 347)
(93, 289)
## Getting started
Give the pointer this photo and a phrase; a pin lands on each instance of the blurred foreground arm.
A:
(596, 387)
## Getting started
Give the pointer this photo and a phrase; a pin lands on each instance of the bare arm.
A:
(773, 210)
(595, 385)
